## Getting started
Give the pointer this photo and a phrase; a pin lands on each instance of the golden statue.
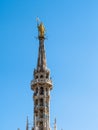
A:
(41, 30)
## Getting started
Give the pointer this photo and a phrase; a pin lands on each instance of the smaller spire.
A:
(41, 63)
(55, 124)
(27, 127)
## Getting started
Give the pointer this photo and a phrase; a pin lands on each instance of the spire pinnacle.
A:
(41, 63)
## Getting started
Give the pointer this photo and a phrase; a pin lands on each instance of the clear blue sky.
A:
(72, 56)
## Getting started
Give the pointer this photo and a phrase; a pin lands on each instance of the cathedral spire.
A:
(41, 85)
(55, 124)
(41, 63)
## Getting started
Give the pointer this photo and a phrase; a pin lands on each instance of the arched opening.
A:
(36, 114)
(41, 76)
(41, 102)
(36, 90)
(36, 77)
(36, 102)
(47, 76)
(41, 113)
(41, 91)
(46, 91)
(41, 124)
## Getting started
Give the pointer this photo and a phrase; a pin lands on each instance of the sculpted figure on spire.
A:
(41, 30)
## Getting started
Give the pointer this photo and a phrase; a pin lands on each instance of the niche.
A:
(41, 91)
(41, 124)
(36, 102)
(47, 76)
(41, 113)
(41, 102)
(36, 77)
(41, 76)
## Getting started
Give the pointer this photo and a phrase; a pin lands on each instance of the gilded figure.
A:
(41, 30)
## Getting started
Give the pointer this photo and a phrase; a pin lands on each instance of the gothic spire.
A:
(41, 85)
(41, 63)
(55, 124)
